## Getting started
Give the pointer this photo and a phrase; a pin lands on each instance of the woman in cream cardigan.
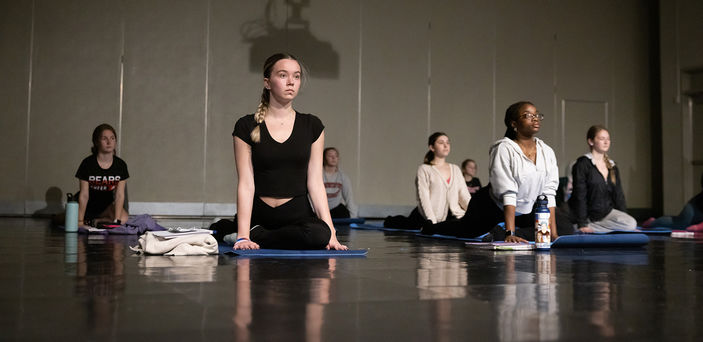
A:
(441, 191)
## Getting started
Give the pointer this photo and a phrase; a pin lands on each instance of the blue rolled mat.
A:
(379, 226)
(292, 253)
(601, 240)
(346, 221)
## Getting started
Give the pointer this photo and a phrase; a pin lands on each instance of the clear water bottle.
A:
(543, 236)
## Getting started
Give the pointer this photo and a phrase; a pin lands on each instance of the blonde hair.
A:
(591, 135)
(260, 115)
(261, 110)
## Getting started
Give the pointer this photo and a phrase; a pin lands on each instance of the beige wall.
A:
(384, 74)
(681, 50)
(14, 72)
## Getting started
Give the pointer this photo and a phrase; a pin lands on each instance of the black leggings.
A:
(94, 208)
(481, 216)
(292, 225)
(340, 211)
(413, 221)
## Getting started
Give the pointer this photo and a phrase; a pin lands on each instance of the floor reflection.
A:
(268, 300)
(179, 269)
(529, 308)
(444, 274)
(100, 276)
(596, 294)
(73, 287)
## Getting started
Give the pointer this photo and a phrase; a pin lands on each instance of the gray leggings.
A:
(615, 220)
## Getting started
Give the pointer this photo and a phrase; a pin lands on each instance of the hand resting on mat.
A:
(514, 238)
(246, 244)
(334, 244)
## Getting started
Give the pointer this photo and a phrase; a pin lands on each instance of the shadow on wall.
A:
(283, 30)
(54, 202)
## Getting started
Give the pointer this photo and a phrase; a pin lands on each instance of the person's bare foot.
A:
(695, 227)
(586, 230)
(647, 223)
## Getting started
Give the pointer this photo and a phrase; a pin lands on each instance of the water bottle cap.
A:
(542, 200)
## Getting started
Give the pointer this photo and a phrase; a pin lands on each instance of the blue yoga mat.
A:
(346, 221)
(600, 240)
(655, 230)
(379, 226)
(450, 237)
(292, 253)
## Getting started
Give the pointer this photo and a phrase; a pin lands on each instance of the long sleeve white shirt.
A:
(517, 181)
(436, 197)
(339, 190)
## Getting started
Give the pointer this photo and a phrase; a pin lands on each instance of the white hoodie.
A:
(517, 181)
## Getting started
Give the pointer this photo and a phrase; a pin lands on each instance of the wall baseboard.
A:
(180, 209)
(199, 209)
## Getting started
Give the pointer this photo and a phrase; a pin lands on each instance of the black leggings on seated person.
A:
(340, 211)
(410, 222)
(481, 216)
(292, 225)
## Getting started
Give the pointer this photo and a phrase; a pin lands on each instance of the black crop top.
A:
(281, 169)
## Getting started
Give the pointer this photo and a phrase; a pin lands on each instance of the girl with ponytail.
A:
(278, 153)
(442, 194)
(597, 202)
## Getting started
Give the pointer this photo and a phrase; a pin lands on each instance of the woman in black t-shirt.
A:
(102, 178)
(468, 169)
(278, 154)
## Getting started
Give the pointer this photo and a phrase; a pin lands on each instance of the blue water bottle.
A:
(543, 236)
(71, 223)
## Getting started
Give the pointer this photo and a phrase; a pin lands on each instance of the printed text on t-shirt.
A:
(103, 183)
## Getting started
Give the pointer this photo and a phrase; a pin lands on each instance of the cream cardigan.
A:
(435, 197)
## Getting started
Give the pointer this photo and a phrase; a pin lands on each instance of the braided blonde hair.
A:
(260, 115)
(261, 110)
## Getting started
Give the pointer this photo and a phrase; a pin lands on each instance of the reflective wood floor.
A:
(56, 286)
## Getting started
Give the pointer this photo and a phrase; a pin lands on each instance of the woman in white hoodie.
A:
(522, 167)
(441, 191)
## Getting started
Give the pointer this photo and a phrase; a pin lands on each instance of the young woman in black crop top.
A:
(278, 153)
